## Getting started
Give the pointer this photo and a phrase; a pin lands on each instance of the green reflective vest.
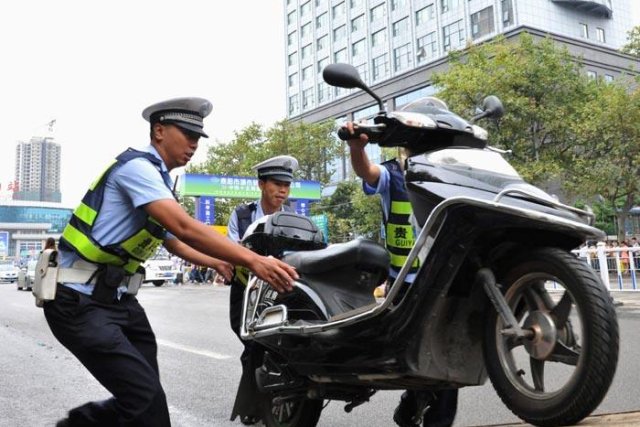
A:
(128, 253)
(398, 230)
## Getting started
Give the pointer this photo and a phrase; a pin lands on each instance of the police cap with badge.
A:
(186, 113)
(280, 168)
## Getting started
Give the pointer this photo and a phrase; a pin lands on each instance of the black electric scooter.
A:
(498, 293)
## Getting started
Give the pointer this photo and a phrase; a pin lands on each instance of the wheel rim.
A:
(546, 364)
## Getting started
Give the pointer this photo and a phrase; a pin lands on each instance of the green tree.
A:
(350, 213)
(541, 87)
(609, 133)
(633, 42)
(313, 144)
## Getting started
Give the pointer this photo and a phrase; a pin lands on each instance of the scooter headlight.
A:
(480, 133)
(415, 120)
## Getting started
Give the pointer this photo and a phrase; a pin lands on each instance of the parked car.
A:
(158, 270)
(8, 273)
(27, 276)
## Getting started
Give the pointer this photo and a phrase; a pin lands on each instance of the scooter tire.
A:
(301, 412)
(595, 357)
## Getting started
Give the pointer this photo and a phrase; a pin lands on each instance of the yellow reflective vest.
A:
(128, 253)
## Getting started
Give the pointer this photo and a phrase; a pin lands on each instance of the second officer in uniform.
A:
(274, 179)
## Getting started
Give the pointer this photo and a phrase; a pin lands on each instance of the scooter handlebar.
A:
(374, 132)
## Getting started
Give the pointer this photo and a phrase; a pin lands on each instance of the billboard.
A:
(4, 243)
(240, 187)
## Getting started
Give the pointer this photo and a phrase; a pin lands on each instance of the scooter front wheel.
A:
(560, 372)
(293, 412)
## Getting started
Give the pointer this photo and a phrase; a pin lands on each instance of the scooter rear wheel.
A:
(294, 412)
(574, 324)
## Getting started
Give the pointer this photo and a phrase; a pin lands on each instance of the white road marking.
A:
(193, 350)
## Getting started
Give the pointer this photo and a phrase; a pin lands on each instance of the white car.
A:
(27, 276)
(158, 270)
(9, 273)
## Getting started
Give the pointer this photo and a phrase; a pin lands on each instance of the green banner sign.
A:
(239, 187)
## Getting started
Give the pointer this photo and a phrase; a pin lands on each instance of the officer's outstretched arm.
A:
(204, 239)
(186, 252)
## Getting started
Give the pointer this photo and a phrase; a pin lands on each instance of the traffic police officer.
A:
(274, 179)
(126, 213)
(387, 179)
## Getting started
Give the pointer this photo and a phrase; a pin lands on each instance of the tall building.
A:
(397, 44)
(37, 176)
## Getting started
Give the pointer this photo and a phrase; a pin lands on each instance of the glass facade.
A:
(57, 217)
(388, 38)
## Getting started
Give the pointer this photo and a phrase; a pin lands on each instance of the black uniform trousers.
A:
(247, 396)
(116, 344)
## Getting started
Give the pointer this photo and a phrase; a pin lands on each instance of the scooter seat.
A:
(360, 254)
(341, 277)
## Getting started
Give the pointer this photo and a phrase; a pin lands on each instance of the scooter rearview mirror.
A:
(346, 76)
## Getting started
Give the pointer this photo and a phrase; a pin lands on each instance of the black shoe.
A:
(63, 423)
(249, 420)
(402, 417)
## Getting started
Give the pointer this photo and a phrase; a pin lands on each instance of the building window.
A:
(306, 52)
(449, 5)
(380, 67)
(400, 28)
(507, 12)
(292, 60)
(592, 74)
(357, 23)
(293, 104)
(319, 2)
(584, 30)
(340, 56)
(307, 98)
(401, 58)
(358, 48)
(305, 9)
(321, 21)
(305, 30)
(338, 11)
(307, 73)
(322, 63)
(291, 38)
(608, 78)
(453, 35)
(339, 33)
(398, 4)
(600, 35)
(324, 92)
(379, 12)
(293, 79)
(291, 18)
(427, 47)
(363, 70)
(355, 3)
(379, 38)
(322, 42)
(424, 15)
(482, 23)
